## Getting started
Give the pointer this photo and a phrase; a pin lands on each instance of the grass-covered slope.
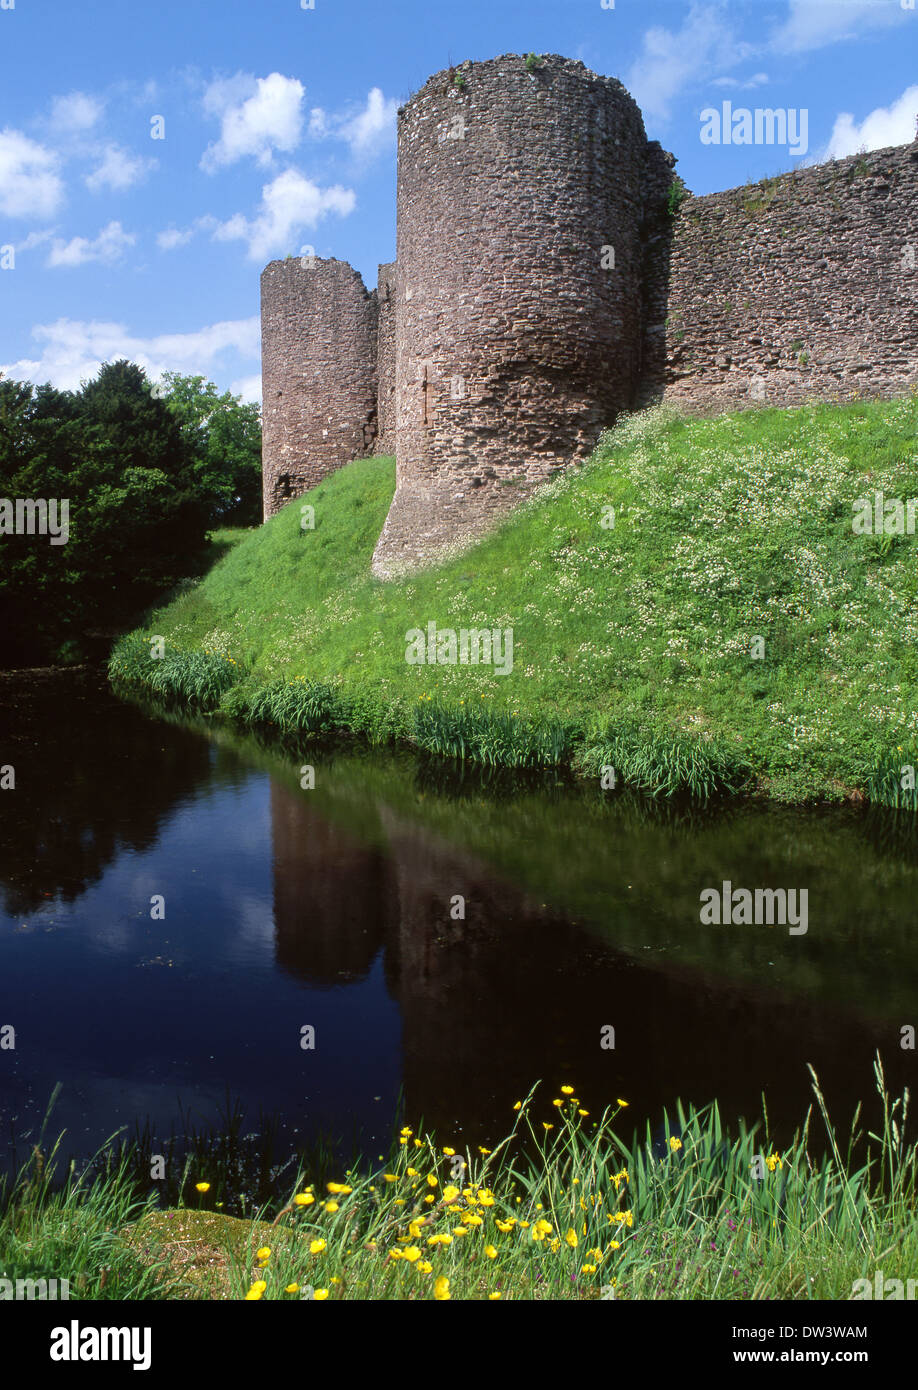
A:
(634, 643)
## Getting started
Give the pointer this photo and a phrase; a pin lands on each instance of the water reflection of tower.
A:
(333, 896)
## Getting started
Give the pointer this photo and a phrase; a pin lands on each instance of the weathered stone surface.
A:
(514, 346)
(797, 288)
(318, 366)
(386, 293)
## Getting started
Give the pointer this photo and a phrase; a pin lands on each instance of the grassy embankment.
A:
(574, 1213)
(633, 644)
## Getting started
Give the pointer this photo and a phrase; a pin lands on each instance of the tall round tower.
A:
(519, 316)
(318, 366)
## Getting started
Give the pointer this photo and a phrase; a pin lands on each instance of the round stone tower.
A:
(518, 329)
(318, 365)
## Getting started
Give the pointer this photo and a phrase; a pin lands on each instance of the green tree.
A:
(224, 435)
(137, 520)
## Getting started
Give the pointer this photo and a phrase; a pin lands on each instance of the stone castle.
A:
(552, 271)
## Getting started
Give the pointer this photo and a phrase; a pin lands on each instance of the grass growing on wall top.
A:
(636, 637)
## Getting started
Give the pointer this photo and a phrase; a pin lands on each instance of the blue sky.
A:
(279, 133)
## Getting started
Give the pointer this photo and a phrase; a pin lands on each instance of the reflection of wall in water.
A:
(332, 895)
(518, 993)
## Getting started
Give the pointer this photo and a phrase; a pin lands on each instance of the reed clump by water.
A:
(564, 1207)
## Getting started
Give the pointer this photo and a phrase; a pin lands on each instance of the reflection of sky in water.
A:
(331, 908)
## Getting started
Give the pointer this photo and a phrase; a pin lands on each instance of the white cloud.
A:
(30, 185)
(887, 125)
(172, 237)
(109, 246)
(758, 79)
(76, 111)
(119, 169)
(671, 59)
(258, 116)
(814, 23)
(318, 123)
(374, 127)
(289, 203)
(367, 132)
(248, 387)
(73, 350)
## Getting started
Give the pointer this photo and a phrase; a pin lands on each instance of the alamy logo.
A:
(29, 516)
(762, 907)
(469, 647)
(74, 1343)
(763, 126)
(883, 516)
(883, 1288)
(28, 1290)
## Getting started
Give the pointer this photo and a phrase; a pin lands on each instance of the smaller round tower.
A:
(319, 376)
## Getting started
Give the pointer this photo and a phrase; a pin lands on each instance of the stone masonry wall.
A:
(798, 287)
(514, 347)
(319, 331)
(386, 293)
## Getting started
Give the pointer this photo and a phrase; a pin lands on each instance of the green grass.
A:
(564, 1207)
(632, 643)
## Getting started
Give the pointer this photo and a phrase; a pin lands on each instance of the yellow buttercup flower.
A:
(412, 1172)
(412, 1253)
(491, 1252)
(432, 1179)
(493, 1297)
(541, 1229)
(338, 1189)
(304, 1199)
(202, 1187)
(441, 1289)
(473, 1220)
(256, 1290)
(622, 1102)
(519, 1105)
(316, 1247)
(567, 1090)
(583, 1112)
(449, 1152)
(439, 1240)
(424, 1266)
(320, 1294)
(460, 1230)
(406, 1132)
(390, 1177)
(292, 1288)
(450, 1193)
(332, 1207)
(264, 1253)
(674, 1143)
(571, 1238)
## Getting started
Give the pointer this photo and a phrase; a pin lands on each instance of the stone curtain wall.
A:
(319, 342)
(514, 347)
(799, 287)
(386, 293)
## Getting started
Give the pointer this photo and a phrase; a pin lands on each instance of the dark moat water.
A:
(332, 909)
